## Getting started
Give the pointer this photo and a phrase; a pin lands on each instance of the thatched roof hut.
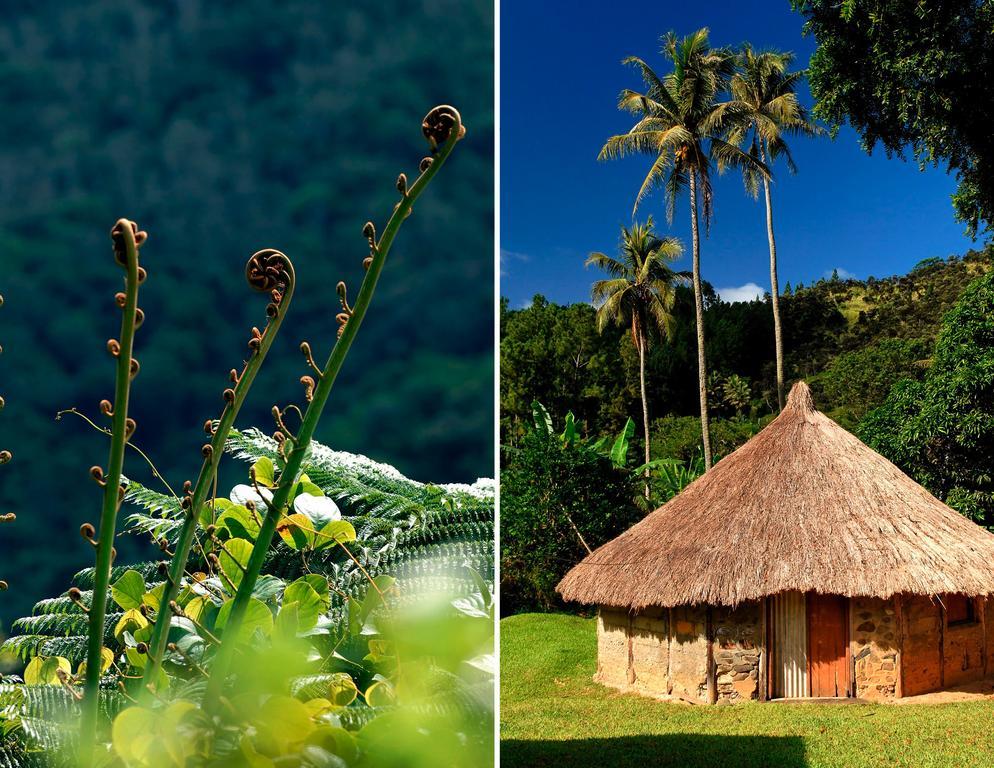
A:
(803, 508)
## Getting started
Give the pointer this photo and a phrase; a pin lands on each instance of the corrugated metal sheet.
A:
(790, 652)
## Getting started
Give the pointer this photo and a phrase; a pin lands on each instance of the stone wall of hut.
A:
(901, 646)
(875, 646)
(738, 643)
(664, 652)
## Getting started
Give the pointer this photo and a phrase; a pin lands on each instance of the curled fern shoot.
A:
(268, 271)
(442, 128)
(126, 239)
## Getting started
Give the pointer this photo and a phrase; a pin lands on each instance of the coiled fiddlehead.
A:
(126, 239)
(443, 128)
(269, 271)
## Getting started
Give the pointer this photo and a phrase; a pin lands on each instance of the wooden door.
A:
(828, 643)
(789, 635)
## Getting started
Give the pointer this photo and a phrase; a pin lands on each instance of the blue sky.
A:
(560, 77)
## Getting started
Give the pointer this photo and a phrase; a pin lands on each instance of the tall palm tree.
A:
(678, 126)
(763, 111)
(639, 294)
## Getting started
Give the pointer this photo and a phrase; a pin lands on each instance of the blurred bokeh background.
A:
(222, 128)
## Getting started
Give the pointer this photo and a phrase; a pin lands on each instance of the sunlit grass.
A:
(553, 714)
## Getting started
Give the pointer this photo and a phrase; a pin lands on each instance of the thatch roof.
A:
(804, 505)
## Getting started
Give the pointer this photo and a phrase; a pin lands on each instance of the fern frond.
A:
(84, 578)
(62, 604)
(24, 647)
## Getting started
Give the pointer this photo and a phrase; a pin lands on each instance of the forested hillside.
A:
(222, 128)
(929, 332)
(850, 339)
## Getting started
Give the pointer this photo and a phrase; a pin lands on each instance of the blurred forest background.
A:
(222, 128)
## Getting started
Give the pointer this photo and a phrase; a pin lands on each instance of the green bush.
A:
(941, 430)
(551, 496)
(859, 381)
(679, 437)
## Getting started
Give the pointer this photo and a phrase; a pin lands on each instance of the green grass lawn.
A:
(552, 714)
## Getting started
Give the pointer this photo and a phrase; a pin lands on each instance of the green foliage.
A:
(857, 381)
(553, 354)
(912, 76)
(678, 121)
(941, 429)
(435, 538)
(763, 111)
(736, 393)
(556, 501)
(641, 289)
(679, 437)
(670, 476)
(235, 125)
(186, 620)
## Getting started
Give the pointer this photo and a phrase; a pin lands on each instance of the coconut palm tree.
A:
(763, 111)
(639, 294)
(678, 126)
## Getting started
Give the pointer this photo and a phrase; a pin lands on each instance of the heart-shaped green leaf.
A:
(297, 531)
(128, 590)
(336, 532)
(257, 617)
(264, 472)
(234, 558)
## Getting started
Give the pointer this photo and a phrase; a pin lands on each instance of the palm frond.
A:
(609, 264)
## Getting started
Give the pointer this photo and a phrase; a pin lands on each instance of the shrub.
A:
(941, 430)
(679, 437)
(553, 499)
(859, 381)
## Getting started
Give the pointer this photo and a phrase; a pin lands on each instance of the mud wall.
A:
(664, 652)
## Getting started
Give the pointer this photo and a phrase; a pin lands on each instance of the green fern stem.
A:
(443, 128)
(267, 270)
(126, 239)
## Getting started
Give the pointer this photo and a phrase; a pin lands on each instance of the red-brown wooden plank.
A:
(827, 642)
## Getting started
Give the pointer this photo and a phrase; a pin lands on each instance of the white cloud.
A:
(844, 274)
(506, 257)
(747, 292)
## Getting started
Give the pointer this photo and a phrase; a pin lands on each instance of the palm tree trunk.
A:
(702, 374)
(645, 406)
(774, 284)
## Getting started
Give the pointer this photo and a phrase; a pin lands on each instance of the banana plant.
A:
(668, 476)
(570, 437)
(443, 128)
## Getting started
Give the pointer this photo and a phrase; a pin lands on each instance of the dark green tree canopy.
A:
(912, 76)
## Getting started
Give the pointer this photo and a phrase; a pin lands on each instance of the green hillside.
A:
(850, 339)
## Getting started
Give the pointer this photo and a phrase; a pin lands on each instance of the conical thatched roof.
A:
(804, 505)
